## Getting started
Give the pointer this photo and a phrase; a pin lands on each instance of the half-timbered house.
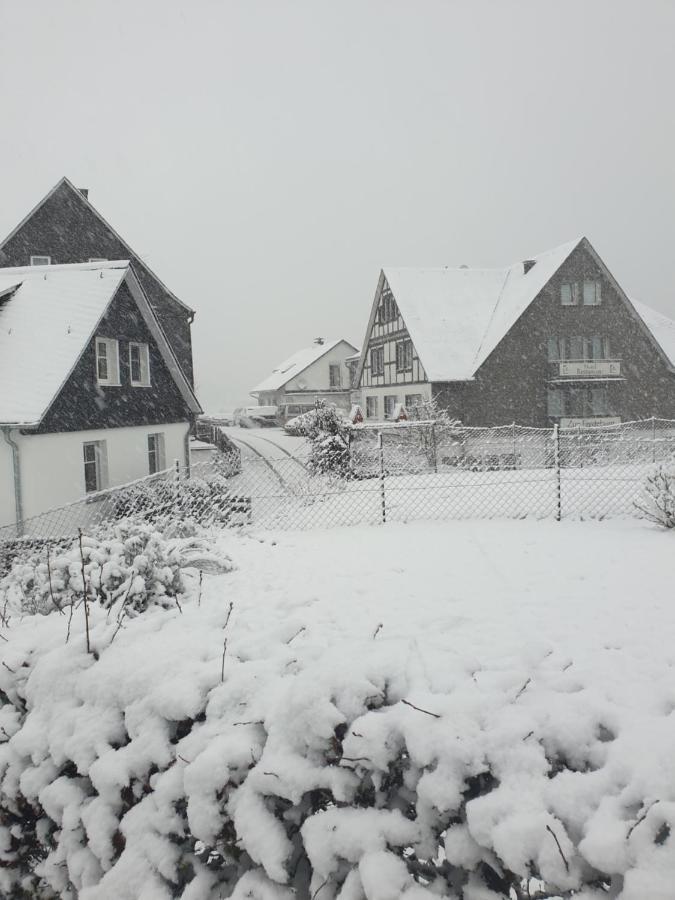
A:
(553, 339)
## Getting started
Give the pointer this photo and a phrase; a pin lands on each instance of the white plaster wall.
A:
(317, 377)
(52, 467)
(6, 483)
(400, 391)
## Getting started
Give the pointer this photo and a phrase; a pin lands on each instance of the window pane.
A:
(102, 360)
(576, 348)
(555, 403)
(135, 362)
(591, 293)
(567, 295)
(553, 350)
(597, 348)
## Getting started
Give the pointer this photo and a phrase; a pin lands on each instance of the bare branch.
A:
(562, 855)
(419, 709)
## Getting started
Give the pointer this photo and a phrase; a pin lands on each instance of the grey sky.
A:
(267, 158)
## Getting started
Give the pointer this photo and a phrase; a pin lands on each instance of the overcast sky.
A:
(267, 158)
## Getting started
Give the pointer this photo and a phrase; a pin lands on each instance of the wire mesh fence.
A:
(392, 473)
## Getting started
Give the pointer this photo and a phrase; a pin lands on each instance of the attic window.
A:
(107, 361)
(40, 260)
(139, 365)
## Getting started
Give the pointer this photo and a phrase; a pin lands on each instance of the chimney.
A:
(527, 265)
(318, 341)
(84, 192)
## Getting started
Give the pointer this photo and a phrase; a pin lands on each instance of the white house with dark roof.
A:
(91, 393)
(551, 339)
(318, 372)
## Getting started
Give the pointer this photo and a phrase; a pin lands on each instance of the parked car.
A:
(255, 416)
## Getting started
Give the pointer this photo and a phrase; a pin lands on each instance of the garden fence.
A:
(390, 473)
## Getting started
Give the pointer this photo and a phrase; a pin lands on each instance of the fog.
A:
(267, 158)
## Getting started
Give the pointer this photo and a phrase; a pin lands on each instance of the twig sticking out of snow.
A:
(84, 591)
(320, 888)
(378, 629)
(640, 819)
(51, 587)
(562, 855)
(419, 709)
(299, 631)
(523, 689)
(199, 594)
(222, 664)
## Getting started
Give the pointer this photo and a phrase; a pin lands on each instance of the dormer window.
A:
(40, 260)
(139, 364)
(107, 361)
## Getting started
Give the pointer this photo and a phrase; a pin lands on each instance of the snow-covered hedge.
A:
(131, 565)
(228, 750)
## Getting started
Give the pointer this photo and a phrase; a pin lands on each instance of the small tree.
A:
(328, 433)
(657, 502)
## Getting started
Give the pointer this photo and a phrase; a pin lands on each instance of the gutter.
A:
(16, 469)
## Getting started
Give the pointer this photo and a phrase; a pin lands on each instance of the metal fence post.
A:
(556, 463)
(434, 446)
(380, 448)
(653, 439)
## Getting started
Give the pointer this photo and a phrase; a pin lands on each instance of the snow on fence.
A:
(398, 472)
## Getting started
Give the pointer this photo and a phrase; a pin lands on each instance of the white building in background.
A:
(319, 372)
(91, 394)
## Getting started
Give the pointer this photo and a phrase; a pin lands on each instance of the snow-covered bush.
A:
(328, 433)
(133, 563)
(657, 502)
(204, 501)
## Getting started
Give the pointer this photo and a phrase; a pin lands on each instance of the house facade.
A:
(92, 394)
(319, 372)
(66, 228)
(551, 340)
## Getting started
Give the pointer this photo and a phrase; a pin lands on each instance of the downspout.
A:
(16, 468)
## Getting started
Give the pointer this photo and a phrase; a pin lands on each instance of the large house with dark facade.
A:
(91, 393)
(64, 227)
(553, 339)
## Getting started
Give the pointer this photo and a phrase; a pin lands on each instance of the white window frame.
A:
(393, 400)
(158, 451)
(112, 357)
(573, 293)
(337, 369)
(592, 292)
(372, 407)
(404, 355)
(40, 261)
(100, 463)
(144, 355)
(376, 353)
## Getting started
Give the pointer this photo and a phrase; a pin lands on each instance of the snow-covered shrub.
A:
(133, 563)
(328, 434)
(657, 502)
(205, 501)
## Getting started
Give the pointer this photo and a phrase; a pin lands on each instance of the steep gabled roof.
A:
(294, 365)
(85, 202)
(457, 316)
(47, 318)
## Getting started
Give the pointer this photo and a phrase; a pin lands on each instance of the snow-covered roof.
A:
(661, 327)
(457, 316)
(295, 364)
(48, 314)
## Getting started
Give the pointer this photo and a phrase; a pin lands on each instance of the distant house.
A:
(64, 227)
(319, 372)
(91, 393)
(553, 339)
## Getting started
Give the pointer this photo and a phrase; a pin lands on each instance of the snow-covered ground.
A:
(519, 675)
(270, 442)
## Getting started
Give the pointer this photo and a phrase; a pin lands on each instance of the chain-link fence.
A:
(388, 473)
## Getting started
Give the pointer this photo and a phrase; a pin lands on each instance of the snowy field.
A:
(498, 695)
